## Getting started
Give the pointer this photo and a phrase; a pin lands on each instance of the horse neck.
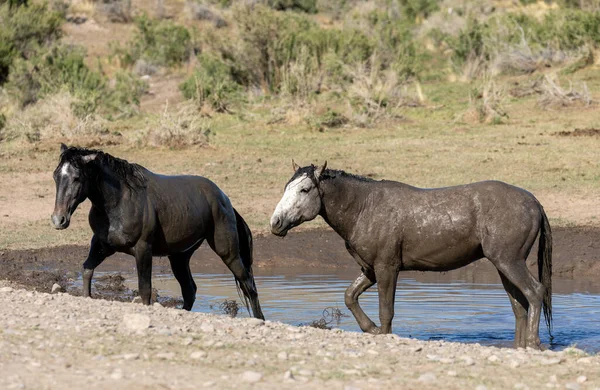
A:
(341, 204)
(106, 189)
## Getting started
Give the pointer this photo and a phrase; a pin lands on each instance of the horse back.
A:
(186, 208)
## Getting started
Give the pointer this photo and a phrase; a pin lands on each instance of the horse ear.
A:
(295, 166)
(89, 157)
(63, 148)
(319, 170)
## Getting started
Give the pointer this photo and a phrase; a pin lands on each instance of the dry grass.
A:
(486, 104)
(53, 118)
(175, 129)
(553, 95)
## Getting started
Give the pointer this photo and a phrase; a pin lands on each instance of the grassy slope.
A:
(430, 146)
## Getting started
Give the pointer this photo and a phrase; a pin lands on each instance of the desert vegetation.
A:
(332, 64)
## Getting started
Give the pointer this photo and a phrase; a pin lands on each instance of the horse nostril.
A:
(62, 220)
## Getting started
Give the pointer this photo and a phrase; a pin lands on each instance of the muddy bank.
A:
(576, 254)
(55, 341)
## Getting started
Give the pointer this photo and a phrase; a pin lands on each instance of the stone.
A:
(207, 328)
(467, 360)
(251, 376)
(514, 364)
(165, 355)
(481, 387)
(305, 372)
(254, 322)
(116, 374)
(493, 359)
(136, 322)
(417, 349)
(282, 355)
(452, 373)
(187, 341)
(209, 384)
(581, 379)
(6, 289)
(428, 377)
(56, 288)
(572, 386)
(131, 356)
(197, 355)
(550, 362)
(288, 376)
(585, 360)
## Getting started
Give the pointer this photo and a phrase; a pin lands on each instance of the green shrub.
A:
(211, 83)
(308, 6)
(158, 42)
(23, 30)
(271, 41)
(62, 68)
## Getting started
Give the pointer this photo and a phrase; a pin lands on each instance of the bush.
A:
(161, 43)
(308, 6)
(211, 83)
(62, 68)
(23, 30)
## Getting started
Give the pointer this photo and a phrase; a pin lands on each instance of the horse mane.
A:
(336, 173)
(132, 174)
(327, 174)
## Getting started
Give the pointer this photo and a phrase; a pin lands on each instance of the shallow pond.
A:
(429, 306)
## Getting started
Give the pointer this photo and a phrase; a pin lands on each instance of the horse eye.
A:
(305, 190)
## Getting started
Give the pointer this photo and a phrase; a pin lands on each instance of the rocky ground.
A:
(62, 341)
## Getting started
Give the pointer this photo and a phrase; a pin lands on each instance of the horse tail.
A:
(545, 268)
(246, 254)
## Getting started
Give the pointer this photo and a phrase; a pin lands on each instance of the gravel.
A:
(58, 340)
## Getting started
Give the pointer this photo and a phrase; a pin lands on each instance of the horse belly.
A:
(441, 258)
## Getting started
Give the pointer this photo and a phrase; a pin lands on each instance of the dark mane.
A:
(131, 174)
(335, 173)
(326, 175)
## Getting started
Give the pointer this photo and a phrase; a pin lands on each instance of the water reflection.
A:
(428, 306)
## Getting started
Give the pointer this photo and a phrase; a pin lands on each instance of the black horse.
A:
(144, 214)
(389, 227)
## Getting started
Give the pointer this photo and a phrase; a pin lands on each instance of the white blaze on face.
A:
(64, 170)
(300, 202)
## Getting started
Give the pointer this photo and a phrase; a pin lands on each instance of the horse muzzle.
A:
(60, 221)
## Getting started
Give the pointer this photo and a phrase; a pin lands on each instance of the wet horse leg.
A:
(387, 279)
(518, 274)
(226, 245)
(365, 280)
(180, 264)
(98, 252)
(143, 261)
(519, 306)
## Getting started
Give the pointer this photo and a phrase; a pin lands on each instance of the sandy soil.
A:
(61, 341)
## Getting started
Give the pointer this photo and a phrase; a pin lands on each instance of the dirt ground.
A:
(62, 341)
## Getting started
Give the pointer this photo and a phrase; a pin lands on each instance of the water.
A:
(428, 306)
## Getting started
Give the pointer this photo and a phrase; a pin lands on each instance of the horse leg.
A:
(387, 279)
(365, 280)
(143, 262)
(98, 252)
(227, 248)
(519, 306)
(518, 274)
(180, 264)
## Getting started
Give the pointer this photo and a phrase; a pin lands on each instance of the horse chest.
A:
(114, 231)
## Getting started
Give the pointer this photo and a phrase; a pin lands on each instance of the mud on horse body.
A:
(144, 214)
(390, 226)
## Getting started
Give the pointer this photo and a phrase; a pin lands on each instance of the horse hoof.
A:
(375, 330)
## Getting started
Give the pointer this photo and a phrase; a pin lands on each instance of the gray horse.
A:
(390, 227)
(144, 214)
